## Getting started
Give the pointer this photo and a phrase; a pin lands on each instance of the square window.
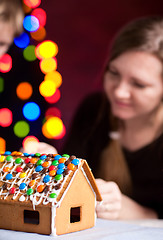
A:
(75, 214)
(31, 217)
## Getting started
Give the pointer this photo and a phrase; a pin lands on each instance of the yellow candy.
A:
(22, 175)
(2, 158)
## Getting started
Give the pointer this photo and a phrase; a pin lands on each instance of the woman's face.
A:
(134, 84)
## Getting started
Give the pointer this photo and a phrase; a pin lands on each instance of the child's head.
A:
(11, 22)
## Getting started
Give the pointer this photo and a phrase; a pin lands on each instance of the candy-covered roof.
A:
(39, 178)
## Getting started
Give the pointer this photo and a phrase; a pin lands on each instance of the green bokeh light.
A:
(1, 84)
(21, 129)
(29, 53)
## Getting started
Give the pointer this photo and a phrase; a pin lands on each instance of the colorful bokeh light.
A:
(29, 53)
(55, 76)
(48, 65)
(53, 111)
(2, 145)
(5, 63)
(47, 88)
(31, 111)
(48, 49)
(1, 84)
(32, 3)
(54, 126)
(62, 134)
(31, 23)
(39, 35)
(30, 144)
(6, 117)
(22, 41)
(40, 14)
(21, 129)
(54, 98)
(26, 8)
(24, 90)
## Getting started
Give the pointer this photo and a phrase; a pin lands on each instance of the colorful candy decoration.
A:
(34, 46)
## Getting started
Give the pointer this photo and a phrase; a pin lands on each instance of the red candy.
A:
(12, 190)
(19, 169)
(52, 167)
(27, 160)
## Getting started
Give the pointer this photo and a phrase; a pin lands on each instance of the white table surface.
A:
(104, 229)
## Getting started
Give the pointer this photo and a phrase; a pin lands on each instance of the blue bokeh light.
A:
(31, 23)
(31, 111)
(22, 41)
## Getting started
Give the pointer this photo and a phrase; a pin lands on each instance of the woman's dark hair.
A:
(144, 34)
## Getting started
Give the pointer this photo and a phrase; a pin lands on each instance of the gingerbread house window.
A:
(31, 217)
(75, 214)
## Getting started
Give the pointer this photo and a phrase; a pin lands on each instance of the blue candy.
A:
(57, 157)
(22, 186)
(9, 176)
(26, 154)
(7, 153)
(75, 161)
(46, 179)
(42, 157)
(60, 171)
(38, 168)
(61, 165)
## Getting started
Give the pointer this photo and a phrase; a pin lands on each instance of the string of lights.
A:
(45, 51)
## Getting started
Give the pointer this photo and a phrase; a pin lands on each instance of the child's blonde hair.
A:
(12, 11)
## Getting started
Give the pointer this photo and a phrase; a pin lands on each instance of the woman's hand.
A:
(115, 205)
(112, 200)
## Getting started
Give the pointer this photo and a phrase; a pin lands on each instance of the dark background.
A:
(83, 31)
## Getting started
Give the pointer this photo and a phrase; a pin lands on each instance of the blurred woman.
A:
(120, 131)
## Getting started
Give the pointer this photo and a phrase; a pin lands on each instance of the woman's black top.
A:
(89, 136)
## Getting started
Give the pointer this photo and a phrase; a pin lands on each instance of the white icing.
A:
(22, 198)
(53, 215)
(36, 198)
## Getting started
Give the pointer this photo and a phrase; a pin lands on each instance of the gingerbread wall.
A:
(12, 217)
(80, 195)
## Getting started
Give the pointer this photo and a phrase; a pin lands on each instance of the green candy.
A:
(53, 195)
(37, 154)
(55, 162)
(29, 191)
(39, 162)
(18, 160)
(9, 158)
(66, 155)
(58, 177)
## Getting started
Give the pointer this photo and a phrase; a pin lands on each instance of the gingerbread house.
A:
(46, 194)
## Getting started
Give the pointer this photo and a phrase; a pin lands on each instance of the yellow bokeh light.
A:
(48, 49)
(47, 88)
(24, 90)
(48, 65)
(37, 52)
(54, 76)
(54, 126)
(45, 132)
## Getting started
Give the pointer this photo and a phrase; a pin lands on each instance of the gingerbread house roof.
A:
(39, 178)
